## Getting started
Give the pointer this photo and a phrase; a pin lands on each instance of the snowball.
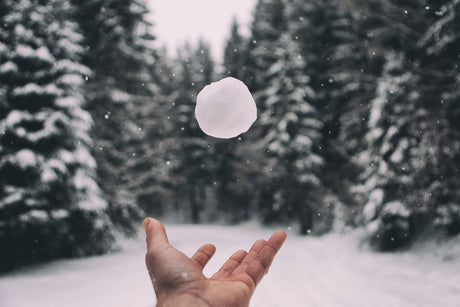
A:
(225, 109)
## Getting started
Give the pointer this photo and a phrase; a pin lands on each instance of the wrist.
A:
(182, 300)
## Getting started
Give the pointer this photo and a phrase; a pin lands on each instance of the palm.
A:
(173, 272)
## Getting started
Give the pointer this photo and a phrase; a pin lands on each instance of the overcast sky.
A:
(176, 21)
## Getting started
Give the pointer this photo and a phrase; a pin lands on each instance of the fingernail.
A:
(145, 224)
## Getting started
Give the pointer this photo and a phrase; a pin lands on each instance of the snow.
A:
(25, 51)
(447, 213)
(67, 102)
(120, 96)
(398, 155)
(41, 54)
(21, 31)
(89, 192)
(225, 109)
(82, 182)
(14, 118)
(31, 215)
(66, 156)
(48, 174)
(396, 208)
(373, 204)
(44, 54)
(441, 33)
(66, 65)
(331, 270)
(12, 196)
(34, 89)
(71, 80)
(23, 159)
(8, 67)
(26, 158)
(59, 214)
(84, 157)
(50, 126)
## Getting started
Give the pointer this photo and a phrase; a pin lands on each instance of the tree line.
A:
(358, 123)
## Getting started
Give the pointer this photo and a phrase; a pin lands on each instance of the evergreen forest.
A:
(358, 123)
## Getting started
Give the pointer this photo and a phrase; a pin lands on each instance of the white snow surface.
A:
(225, 109)
(332, 270)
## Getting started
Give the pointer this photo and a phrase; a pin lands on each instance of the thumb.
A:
(155, 233)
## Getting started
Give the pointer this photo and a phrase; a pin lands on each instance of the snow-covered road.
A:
(326, 271)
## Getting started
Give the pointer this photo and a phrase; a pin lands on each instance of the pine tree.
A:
(292, 133)
(440, 44)
(312, 23)
(329, 43)
(50, 203)
(234, 184)
(393, 140)
(269, 22)
(190, 152)
(408, 132)
(123, 99)
(149, 168)
(235, 53)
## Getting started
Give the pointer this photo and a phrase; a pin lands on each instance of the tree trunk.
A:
(194, 206)
(305, 219)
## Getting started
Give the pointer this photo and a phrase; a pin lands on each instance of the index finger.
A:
(262, 262)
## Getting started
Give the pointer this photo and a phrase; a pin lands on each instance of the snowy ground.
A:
(328, 271)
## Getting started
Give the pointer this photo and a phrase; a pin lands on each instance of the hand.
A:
(179, 281)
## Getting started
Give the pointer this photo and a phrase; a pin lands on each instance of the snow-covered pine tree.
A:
(149, 172)
(50, 203)
(124, 100)
(235, 53)
(313, 24)
(268, 23)
(234, 179)
(291, 138)
(329, 42)
(440, 44)
(234, 184)
(408, 132)
(190, 150)
(146, 178)
(394, 155)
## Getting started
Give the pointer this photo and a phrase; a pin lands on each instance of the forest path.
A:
(325, 271)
